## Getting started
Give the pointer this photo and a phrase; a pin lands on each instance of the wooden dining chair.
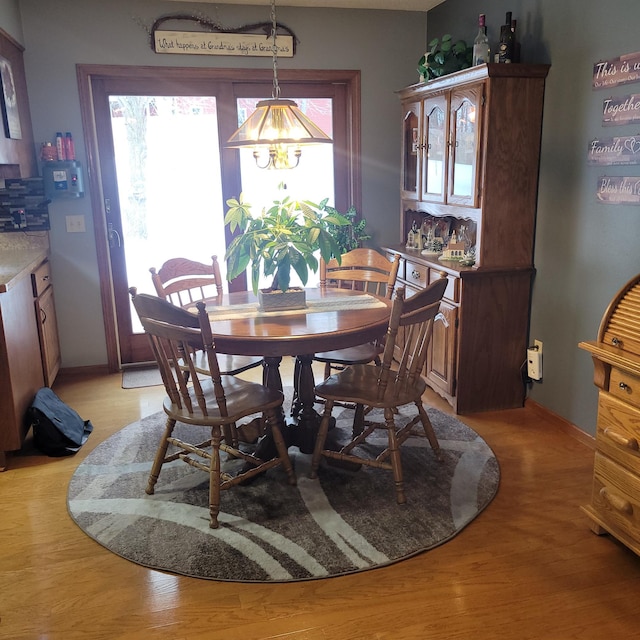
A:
(217, 402)
(381, 387)
(363, 269)
(182, 281)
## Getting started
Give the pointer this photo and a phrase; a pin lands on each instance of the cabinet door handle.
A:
(45, 278)
(618, 438)
(618, 503)
(43, 314)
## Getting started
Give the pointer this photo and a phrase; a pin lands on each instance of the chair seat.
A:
(361, 354)
(241, 397)
(358, 384)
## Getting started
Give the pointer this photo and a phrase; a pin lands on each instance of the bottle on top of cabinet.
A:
(505, 49)
(481, 49)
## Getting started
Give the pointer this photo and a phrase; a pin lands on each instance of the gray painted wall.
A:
(10, 19)
(384, 45)
(585, 252)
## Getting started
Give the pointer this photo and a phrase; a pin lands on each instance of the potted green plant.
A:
(443, 57)
(283, 237)
(351, 235)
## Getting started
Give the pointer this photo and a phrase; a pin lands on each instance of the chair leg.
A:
(214, 478)
(394, 455)
(271, 418)
(428, 430)
(321, 438)
(160, 456)
(327, 370)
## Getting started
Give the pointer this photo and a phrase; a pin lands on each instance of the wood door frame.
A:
(87, 74)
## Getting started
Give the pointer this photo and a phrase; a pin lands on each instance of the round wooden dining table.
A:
(333, 319)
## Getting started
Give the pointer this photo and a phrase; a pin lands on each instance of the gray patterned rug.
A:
(272, 532)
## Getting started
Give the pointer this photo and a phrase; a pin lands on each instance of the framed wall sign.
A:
(618, 150)
(221, 44)
(619, 190)
(10, 114)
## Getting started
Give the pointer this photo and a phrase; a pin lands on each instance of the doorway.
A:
(164, 177)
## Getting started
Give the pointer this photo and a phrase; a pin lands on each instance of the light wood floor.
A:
(527, 568)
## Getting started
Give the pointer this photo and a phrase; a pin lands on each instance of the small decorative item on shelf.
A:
(444, 56)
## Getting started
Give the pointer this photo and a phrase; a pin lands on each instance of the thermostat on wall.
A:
(63, 179)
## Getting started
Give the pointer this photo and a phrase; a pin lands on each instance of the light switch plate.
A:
(75, 224)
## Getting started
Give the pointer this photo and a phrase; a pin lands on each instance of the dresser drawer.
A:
(625, 386)
(416, 274)
(41, 278)
(452, 292)
(616, 496)
(618, 430)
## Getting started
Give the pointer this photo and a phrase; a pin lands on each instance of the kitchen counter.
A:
(17, 263)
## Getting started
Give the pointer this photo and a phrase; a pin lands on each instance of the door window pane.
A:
(168, 170)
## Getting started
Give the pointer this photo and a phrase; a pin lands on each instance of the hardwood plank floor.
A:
(527, 568)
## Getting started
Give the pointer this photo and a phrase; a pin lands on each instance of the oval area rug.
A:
(269, 531)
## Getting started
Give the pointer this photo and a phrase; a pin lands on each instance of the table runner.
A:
(252, 309)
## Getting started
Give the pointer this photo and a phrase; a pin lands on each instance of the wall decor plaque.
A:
(617, 150)
(619, 190)
(622, 70)
(621, 110)
(221, 44)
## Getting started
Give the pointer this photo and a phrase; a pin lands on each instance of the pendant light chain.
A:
(275, 94)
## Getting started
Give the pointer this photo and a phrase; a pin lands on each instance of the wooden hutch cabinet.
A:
(469, 176)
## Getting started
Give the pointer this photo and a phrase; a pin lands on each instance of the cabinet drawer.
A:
(616, 495)
(625, 386)
(416, 274)
(618, 431)
(452, 292)
(41, 278)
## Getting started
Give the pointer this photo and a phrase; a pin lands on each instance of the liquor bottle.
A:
(481, 50)
(516, 42)
(505, 50)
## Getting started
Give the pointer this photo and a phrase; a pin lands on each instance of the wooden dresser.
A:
(615, 499)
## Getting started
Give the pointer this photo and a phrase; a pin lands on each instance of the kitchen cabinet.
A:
(29, 349)
(469, 177)
(615, 496)
(47, 323)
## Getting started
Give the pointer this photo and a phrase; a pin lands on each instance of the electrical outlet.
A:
(534, 361)
(75, 224)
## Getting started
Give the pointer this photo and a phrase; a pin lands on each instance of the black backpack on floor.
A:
(57, 429)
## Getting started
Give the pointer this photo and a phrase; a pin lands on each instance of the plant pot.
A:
(294, 298)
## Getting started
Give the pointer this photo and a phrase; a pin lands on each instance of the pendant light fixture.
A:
(277, 128)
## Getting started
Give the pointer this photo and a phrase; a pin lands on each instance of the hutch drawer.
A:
(616, 495)
(625, 386)
(416, 274)
(618, 431)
